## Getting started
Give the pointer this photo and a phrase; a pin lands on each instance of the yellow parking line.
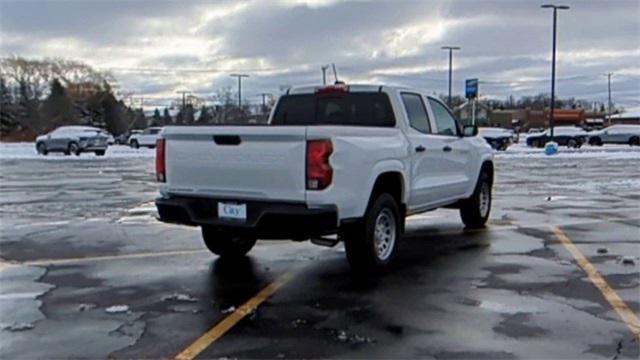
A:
(628, 316)
(230, 321)
(109, 257)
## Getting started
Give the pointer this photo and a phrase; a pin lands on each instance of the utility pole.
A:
(239, 76)
(553, 61)
(184, 105)
(264, 103)
(450, 49)
(608, 75)
(324, 74)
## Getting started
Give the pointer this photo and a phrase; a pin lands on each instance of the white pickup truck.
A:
(335, 163)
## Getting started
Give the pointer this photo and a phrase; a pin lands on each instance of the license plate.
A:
(232, 211)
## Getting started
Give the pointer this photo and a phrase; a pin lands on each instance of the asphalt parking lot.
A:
(87, 272)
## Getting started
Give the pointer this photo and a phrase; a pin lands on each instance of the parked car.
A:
(616, 134)
(111, 140)
(123, 139)
(498, 138)
(145, 138)
(570, 136)
(73, 140)
(336, 163)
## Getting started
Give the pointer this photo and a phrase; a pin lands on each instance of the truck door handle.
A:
(446, 148)
(420, 148)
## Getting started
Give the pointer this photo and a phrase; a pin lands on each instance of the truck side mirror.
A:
(469, 130)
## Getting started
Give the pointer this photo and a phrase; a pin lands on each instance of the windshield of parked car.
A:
(355, 109)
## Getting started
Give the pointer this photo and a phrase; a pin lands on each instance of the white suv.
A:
(146, 138)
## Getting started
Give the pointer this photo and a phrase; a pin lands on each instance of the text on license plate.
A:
(232, 211)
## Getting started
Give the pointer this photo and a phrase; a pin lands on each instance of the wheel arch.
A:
(393, 183)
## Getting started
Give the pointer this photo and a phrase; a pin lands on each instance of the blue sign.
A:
(471, 88)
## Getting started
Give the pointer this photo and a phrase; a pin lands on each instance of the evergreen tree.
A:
(157, 119)
(27, 109)
(166, 117)
(7, 109)
(114, 115)
(57, 109)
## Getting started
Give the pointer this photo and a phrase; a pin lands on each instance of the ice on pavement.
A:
(27, 150)
(115, 309)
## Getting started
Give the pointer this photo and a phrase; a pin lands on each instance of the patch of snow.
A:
(116, 309)
(228, 310)
(85, 307)
(179, 297)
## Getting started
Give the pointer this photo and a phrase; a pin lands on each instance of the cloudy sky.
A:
(155, 48)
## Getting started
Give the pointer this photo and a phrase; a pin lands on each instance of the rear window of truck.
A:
(351, 109)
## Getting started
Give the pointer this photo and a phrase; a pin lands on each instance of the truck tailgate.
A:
(236, 162)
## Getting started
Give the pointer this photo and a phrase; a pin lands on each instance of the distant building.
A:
(523, 119)
(464, 113)
(632, 118)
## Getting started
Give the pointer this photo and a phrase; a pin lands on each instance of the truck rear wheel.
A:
(225, 244)
(475, 210)
(371, 243)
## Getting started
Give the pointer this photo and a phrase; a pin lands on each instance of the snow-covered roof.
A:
(633, 114)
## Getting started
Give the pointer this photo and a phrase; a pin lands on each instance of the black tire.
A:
(596, 141)
(365, 254)
(100, 152)
(475, 210)
(572, 143)
(225, 244)
(73, 148)
(634, 141)
(134, 144)
(42, 148)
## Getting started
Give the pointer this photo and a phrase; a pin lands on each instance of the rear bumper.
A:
(265, 220)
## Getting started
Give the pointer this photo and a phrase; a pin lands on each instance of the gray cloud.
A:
(504, 43)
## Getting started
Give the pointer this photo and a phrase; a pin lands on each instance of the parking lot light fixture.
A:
(450, 49)
(553, 60)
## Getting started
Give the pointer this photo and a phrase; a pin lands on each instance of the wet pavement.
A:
(87, 272)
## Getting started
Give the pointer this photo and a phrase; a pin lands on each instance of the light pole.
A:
(324, 74)
(450, 49)
(264, 101)
(553, 61)
(239, 76)
(608, 75)
(180, 120)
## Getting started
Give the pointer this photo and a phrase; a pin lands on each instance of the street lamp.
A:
(553, 60)
(451, 49)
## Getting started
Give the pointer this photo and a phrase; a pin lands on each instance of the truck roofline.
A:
(310, 89)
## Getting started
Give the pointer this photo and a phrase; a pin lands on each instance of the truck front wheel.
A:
(371, 243)
(225, 244)
(475, 210)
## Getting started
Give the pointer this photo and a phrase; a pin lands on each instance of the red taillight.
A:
(319, 171)
(161, 174)
(333, 89)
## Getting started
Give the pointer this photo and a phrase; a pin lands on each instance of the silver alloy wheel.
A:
(484, 199)
(42, 148)
(384, 234)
